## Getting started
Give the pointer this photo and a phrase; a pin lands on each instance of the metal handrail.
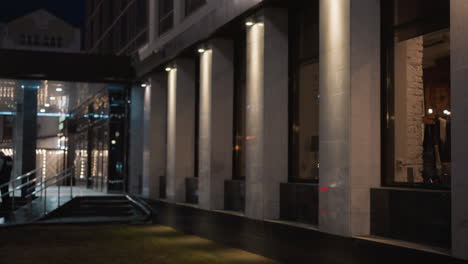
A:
(21, 177)
(32, 187)
(115, 181)
(58, 174)
(44, 186)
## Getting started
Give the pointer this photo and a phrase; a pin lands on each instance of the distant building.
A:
(40, 31)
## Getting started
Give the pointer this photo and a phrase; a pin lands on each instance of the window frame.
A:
(389, 33)
(296, 61)
(163, 17)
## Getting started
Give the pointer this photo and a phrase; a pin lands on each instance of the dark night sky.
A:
(71, 11)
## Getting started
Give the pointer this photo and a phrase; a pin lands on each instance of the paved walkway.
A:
(115, 244)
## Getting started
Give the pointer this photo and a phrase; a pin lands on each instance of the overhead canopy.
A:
(38, 65)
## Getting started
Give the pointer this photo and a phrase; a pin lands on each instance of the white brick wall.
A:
(409, 108)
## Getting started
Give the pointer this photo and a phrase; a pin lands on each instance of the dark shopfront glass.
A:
(304, 92)
(196, 155)
(416, 96)
(97, 130)
(90, 140)
(240, 106)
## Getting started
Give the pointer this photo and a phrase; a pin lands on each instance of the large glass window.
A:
(166, 15)
(197, 118)
(304, 92)
(417, 114)
(240, 106)
(192, 5)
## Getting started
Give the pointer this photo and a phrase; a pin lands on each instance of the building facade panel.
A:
(345, 112)
(116, 27)
(459, 152)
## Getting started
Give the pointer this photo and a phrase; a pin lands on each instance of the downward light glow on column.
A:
(249, 23)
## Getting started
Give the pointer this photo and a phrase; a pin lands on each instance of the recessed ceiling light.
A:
(201, 50)
(47, 105)
(52, 98)
(42, 110)
(168, 69)
(59, 89)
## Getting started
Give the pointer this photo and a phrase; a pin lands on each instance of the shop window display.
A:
(304, 92)
(417, 132)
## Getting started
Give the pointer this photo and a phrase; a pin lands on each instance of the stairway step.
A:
(113, 207)
(87, 213)
(104, 203)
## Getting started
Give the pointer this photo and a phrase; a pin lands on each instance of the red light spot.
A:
(324, 189)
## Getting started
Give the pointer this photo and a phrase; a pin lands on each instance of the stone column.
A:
(135, 157)
(409, 110)
(349, 114)
(180, 128)
(216, 123)
(154, 134)
(459, 99)
(267, 113)
(26, 129)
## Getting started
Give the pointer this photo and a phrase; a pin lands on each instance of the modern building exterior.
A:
(340, 119)
(41, 31)
(116, 27)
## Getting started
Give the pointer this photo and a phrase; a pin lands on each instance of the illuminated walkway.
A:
(115, 244)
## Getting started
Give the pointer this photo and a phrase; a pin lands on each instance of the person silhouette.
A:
(6, 166)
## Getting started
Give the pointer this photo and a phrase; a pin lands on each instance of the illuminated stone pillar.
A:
(267, 113)
(180, 128)
(154, 134)
(459, 99)
(349, 114)
(216, 122)
(26, 129)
